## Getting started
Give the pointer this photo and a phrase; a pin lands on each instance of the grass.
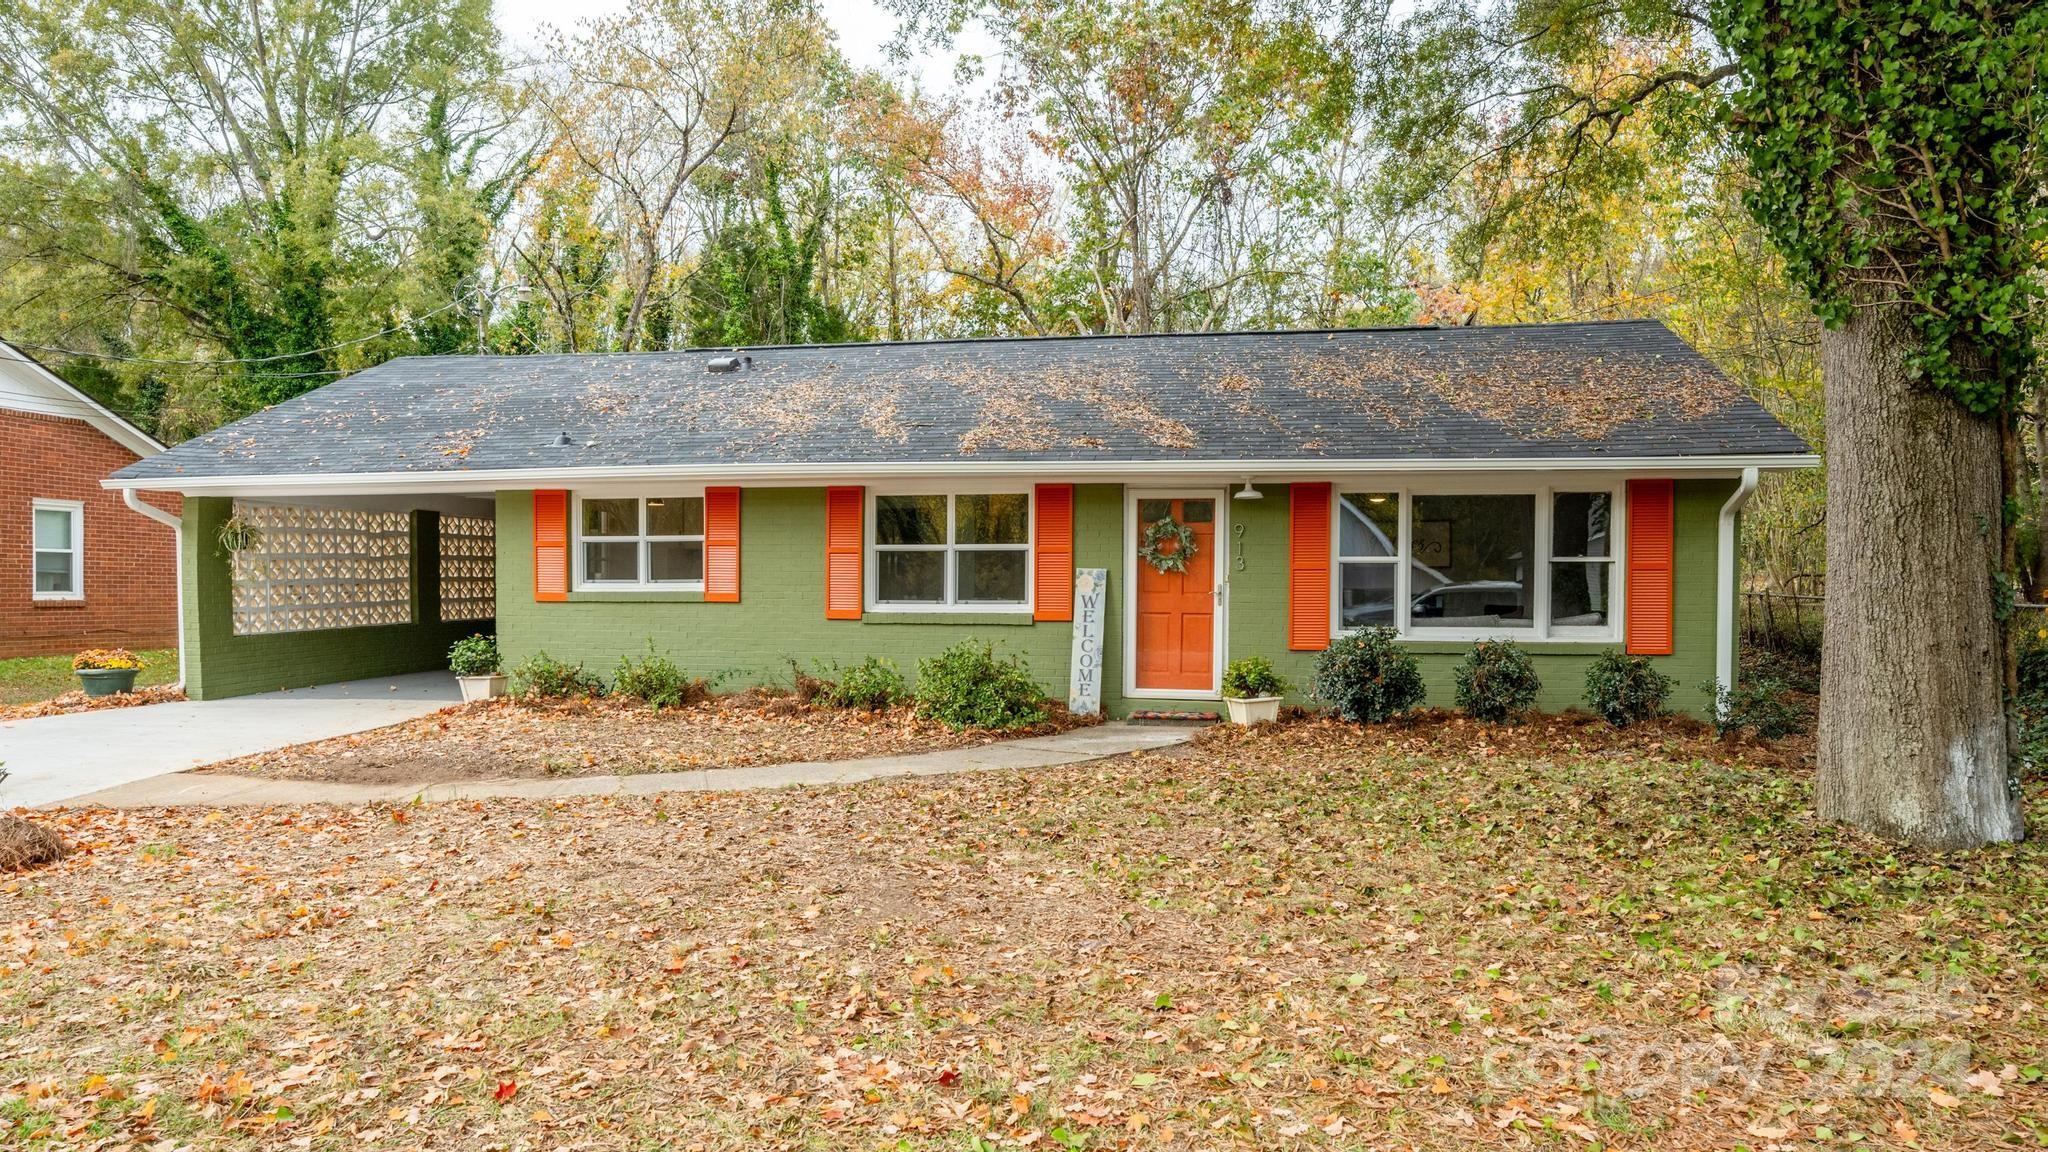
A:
(28, 679)
(1309, 937)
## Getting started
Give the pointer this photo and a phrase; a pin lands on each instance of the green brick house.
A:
(1574, 487)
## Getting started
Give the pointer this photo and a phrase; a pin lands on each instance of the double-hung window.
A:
(57, 546)
(1464, 564)
(942, 550)
(640, 542)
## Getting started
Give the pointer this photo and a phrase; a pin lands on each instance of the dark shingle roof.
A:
(1544, 391)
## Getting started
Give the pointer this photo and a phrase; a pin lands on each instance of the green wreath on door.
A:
(1162, 532)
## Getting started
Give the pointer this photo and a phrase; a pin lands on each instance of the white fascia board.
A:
(1075, 471)
(66, 401)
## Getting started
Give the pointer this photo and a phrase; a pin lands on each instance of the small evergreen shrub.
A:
(1626, 689)
(1762, 704)
(542, 677)
(969, 686)
(655, 681)
(1495, 680)
(1367, 677)
(1252, 676)
(871, 685)
(474, 656)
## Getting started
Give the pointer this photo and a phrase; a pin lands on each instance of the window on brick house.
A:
(58, 546)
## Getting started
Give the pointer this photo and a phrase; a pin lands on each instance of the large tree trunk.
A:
(1912, 726)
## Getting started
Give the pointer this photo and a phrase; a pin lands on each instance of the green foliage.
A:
(871, 685)
(969, 686)
(1368, 677)
(1495, 680)
(474, 656)
(757, 282)
(657, 682)
(1762, 704)
(1894, 150)
(1625, 689)
(542, 677)
(1252, 676)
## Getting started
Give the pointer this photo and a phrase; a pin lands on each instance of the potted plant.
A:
(1252, 690)
(106, 671)
(474, 660)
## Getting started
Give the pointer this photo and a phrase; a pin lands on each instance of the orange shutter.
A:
(1650, 522)
(843, 509)
(722, 545)
(551, 545)
(1052, 560)
(1308, 567)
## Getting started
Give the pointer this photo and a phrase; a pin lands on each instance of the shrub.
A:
(1252, 676)
(1626, 689)
(474, 656)
(543, 677)
(1762, 704)
(969, 686)
(871, 685)
(655, 681)
(1367, 677)
(1495, 680)
(111, 659)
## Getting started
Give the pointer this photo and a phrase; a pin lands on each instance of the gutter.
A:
(1725, 591)
(133, 500)
(569, 475)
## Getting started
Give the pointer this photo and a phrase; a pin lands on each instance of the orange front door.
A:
(1176, 611)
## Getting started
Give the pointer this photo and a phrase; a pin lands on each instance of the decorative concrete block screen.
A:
(469, 560)
(305, 568)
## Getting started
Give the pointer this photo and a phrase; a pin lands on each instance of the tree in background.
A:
(227, 183)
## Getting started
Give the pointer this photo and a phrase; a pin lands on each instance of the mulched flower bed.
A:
(510, 738)
(71, 702)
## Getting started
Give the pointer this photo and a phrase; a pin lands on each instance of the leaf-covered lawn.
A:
(29, 679)
(1315, 938)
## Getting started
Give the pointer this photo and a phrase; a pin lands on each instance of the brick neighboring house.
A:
(78, 567)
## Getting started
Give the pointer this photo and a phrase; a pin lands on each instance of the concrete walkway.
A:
(1077, 746)
(55, 758)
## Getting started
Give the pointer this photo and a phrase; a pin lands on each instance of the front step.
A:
(1151, 716)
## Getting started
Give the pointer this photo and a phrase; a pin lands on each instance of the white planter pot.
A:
(1253, 709)
(475, 688)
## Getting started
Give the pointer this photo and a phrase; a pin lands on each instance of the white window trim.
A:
(583, 583)
(77, 510)
(871, 550)
(1541, 631)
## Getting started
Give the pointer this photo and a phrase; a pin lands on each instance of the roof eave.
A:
(1080, 471)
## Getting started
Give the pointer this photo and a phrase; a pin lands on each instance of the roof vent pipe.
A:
(722, 364)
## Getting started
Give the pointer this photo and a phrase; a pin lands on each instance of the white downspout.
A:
(1725, 590)
(133, 499)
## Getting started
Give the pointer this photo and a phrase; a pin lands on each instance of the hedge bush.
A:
(870, 686)
(1626, 689)
(1367, 677)
(655, 680)
(1495, 680)
(1762, 704)
(543, 677)
(474, 656)
(969, 686)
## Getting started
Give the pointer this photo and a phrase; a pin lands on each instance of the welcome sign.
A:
(1091, 601)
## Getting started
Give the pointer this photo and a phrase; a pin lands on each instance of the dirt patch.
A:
(79, 702)
(515, 739)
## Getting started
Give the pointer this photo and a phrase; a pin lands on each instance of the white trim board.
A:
(1163, 472)
(27, 386)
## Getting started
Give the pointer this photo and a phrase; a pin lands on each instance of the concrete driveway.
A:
(55, 758)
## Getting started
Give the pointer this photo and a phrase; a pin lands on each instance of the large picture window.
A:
(952, 549)
(640, 542)
(1453, 565)
(57, 546)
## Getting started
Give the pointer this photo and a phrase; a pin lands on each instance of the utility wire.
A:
(393, 330)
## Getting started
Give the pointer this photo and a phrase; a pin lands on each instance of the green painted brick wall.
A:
(221, 663)
(780, 615)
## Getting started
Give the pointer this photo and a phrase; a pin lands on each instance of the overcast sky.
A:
(864, 29)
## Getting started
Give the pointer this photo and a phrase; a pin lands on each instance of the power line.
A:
(217, 364)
